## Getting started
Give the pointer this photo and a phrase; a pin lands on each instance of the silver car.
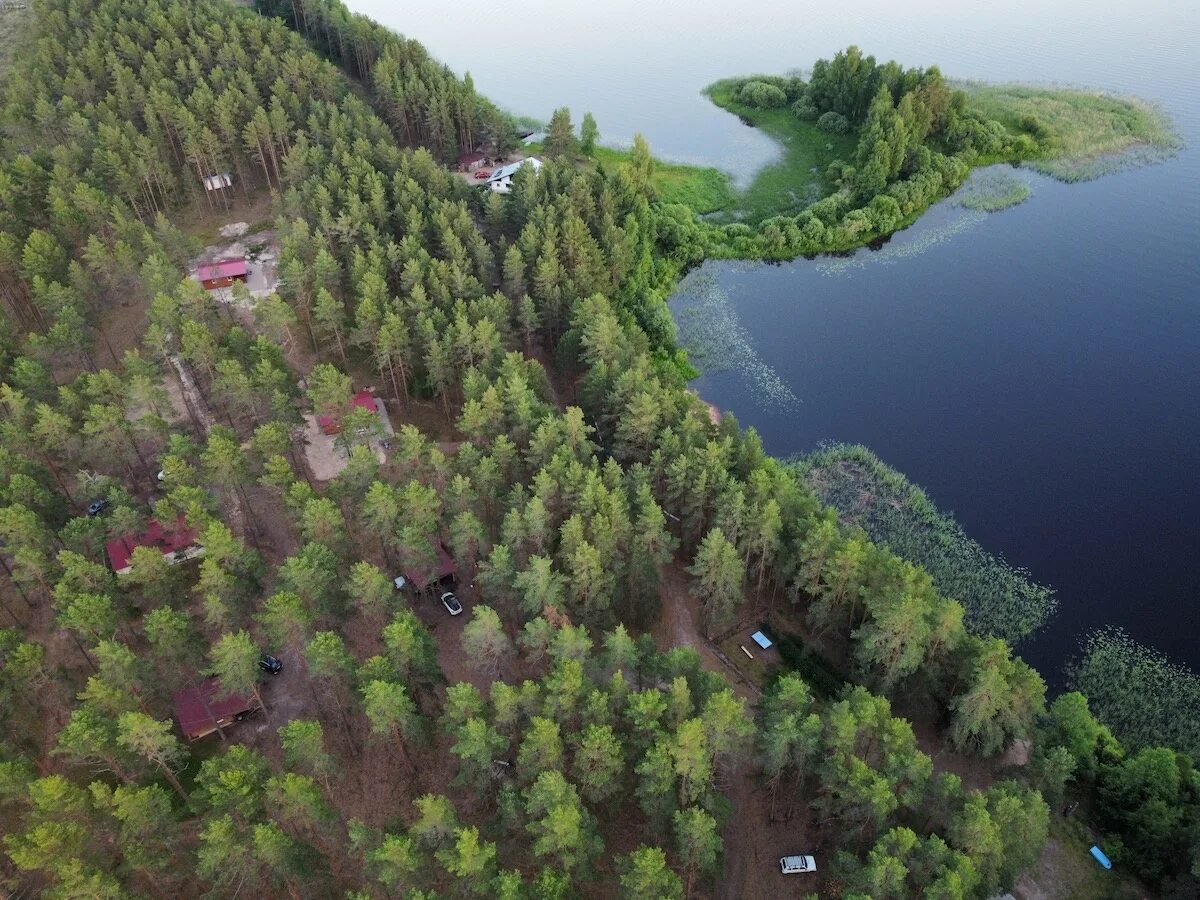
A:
(794, 865)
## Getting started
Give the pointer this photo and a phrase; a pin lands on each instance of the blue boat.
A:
(1101, 858)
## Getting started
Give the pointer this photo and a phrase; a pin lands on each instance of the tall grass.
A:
(703, 188)
(797, 179)
(992, 190)
(1085, 133)
(1136, 691)
(13, 22)
(999, 599)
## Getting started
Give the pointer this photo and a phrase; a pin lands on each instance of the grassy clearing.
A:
(1066, 870)
(1089, 133)
(993, 190)
(999, 599)
(703, 188)
(1137, 692)
(797, 179)
(13, 21)
(757, 669)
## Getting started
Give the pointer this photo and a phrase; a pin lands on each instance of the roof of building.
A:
(197, 707)
(223, 268)
(511, 169)
(218, 181)
(166, 540)
(443, 567)
(761, 639)
(363, 400)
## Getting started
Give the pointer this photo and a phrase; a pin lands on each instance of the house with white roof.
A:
(501, 179)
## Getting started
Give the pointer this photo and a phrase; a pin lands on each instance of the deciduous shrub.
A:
(804, 110)
(834, 123)
(761, 95)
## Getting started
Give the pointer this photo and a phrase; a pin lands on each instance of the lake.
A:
(1035, 369)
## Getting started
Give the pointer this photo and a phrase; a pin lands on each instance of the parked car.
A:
(451, 603)
(96, 507)
(794, 865)
(482, 174)
(270, 664)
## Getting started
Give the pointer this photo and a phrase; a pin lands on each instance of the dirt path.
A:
(202, 415)
(679, 626)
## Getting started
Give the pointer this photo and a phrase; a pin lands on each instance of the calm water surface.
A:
(1036, 369)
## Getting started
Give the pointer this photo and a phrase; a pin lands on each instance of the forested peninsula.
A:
(389, 554)
(866, 147)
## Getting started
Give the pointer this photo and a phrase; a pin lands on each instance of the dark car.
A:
(270, 664)
(451, 603)
(96, 507)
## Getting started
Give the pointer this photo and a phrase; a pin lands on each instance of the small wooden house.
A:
(204, 709)
(470, 162)
(217, 182)
(331, 425)
(223, 273)
(176, 543)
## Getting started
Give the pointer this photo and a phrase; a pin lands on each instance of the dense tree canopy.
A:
(547, 443)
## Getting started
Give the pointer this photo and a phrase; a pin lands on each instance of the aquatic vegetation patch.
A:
(716, 341)
(1145, 699)
(895, 251)
(1082, 134)
(992, 190)
(999, 599)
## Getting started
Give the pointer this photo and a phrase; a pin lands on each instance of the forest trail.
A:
(203, 416)
(678, 626)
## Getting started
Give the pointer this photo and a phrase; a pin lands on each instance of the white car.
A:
(451, 603)
(794, 865)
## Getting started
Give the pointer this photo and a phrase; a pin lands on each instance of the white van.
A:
(793, 865)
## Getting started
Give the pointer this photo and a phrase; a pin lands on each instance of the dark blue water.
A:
(1038, 372)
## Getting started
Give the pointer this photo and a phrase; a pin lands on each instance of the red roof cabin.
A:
(441, 570)
(363, 400)
(204, 709)
(222, 273)
(177, 544)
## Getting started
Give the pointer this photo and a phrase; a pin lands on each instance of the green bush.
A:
(761, 95)
(804, 110)
(834, 123)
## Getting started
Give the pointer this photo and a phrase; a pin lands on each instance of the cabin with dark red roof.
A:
(222, 273)
(470, 162)
(203, 709)
(440, 572)
(177, 544)
(362, 400)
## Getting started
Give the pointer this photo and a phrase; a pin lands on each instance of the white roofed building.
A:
(501, 179)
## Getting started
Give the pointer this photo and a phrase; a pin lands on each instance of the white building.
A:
(217, 182)
(501, 179)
